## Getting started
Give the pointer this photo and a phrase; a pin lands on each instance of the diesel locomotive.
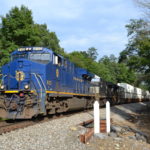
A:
(37, 81)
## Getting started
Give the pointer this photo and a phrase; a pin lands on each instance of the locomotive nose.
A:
(22, 73)
(18, 74)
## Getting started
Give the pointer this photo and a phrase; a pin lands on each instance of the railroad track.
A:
(14, 125)
(7, 127)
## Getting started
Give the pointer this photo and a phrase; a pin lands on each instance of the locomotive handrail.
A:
(41, 92)
(42, 82)
(38, 82)
(3, 78)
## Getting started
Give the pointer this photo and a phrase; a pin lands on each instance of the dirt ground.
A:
(135, 116)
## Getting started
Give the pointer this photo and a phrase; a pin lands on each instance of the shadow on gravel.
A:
(126, 110)
(136, 113)
(137, 107)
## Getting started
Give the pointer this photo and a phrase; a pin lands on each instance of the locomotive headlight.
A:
(26, 86)
(2, 87)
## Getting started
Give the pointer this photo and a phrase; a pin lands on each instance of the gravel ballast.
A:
(55, 134)
(59, 134)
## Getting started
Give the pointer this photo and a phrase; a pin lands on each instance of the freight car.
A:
(133, 94)
(38, 81)
(118, 93)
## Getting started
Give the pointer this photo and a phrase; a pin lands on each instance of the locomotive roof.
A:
(31, 49)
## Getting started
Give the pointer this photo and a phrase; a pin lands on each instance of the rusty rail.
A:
(13, 126)
(86, 122)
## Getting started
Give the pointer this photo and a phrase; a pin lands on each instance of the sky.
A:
(81, 24)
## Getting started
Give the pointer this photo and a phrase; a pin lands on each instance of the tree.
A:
(145, 5)
(92, 53)
(41, 36)
(116, 72)
(78, 58)
(82, 59)
(18, 29)
(137, 52)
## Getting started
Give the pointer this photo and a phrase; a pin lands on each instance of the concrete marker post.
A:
(96, 117)
(108, 116)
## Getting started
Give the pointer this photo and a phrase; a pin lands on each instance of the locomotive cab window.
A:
(41, 58)
(57, 60)
(17, 56)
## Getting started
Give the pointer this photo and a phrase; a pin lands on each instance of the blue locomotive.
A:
(39, 81)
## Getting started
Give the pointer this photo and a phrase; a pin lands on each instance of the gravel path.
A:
(58, 134)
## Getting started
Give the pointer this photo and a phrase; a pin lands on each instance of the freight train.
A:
(37, 81)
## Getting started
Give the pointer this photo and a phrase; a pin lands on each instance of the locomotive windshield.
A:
(17, 56)
(40, 57)
(43, 58)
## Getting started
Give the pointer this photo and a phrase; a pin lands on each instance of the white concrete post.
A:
(96, 117)
(107, 116)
